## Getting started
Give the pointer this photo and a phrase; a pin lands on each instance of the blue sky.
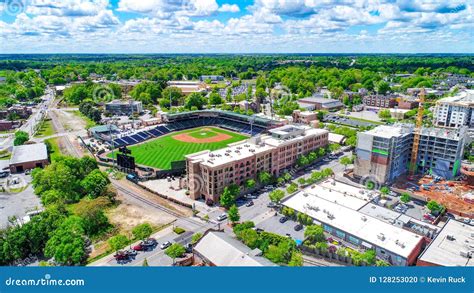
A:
(232, 26)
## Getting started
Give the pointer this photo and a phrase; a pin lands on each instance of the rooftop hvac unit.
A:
(381, 236)
(363, 218)
(450, 237)
(465, 254)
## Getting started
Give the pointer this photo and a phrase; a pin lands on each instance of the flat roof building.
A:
(454, 246)
(209, 172)
(188, 87)
(455, 112)
(122, 107)
(338, 213)
(219, 249)
(320, 103)
(28, 156)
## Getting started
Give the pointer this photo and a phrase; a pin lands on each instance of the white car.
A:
(222, 217)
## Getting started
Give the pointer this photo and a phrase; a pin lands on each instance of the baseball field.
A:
(160, 152)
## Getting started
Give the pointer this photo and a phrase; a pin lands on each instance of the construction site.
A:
(456, 196)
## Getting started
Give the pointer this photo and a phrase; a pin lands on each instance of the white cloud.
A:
(229, 8)
(170, 8)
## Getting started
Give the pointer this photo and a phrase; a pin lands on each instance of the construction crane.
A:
(416, 138)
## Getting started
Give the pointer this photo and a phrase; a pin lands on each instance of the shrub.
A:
(179, 230)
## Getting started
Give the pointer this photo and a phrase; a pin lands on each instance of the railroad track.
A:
(60, 129)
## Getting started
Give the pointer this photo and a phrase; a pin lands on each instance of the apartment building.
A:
(304, 117)
(456, 111)
(209, 172)
(384, 153)
(380, 101)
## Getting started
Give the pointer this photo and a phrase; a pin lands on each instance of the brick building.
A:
(209, 172)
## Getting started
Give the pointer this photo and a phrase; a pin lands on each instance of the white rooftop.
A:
(223, 250)
(29, 153)
(336, 138)
(445, 252)
(388, 131)
(464, 98)
(365, 227)
(233, 152)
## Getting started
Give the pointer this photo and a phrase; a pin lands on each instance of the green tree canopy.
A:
(142, 231)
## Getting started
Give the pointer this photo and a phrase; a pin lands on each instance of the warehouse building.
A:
(337, 207)
(28, 156)
(384, 153)
(454, 246)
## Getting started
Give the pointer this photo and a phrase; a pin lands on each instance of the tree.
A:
(175, 250)
(302, 161)
(172, 93)
(385, 190)
(249, 184)
(95, 183)
(370, 185)
(314, 233)
(385, 114)
(145, 263)
(280, 253)
(67, 244)
(195, 100)
(215, 99)
(405, 197)
(196, 237)
(292, 188)
(233, 213)
(227, 199)
(345, 161)
(118, 242)
(142, 231)
(334, 147)
(249, 237)
(382, 87)
(296, 259)
(276, 195)
(264, 177)
(92, 213)
(20, 138)
(434, 207)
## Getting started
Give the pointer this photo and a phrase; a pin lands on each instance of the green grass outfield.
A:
(160, 152)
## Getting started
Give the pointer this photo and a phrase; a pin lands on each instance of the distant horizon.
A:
(249, 54)
(236, 27)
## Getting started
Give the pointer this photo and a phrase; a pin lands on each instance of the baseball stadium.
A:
(187, 133)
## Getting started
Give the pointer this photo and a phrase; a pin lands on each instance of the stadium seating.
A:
(224, 121)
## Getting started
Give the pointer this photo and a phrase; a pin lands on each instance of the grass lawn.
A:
(55, 151)
(160, 152)
(45, 129)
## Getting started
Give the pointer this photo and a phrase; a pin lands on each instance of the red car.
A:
(138, 247)
(121, 255)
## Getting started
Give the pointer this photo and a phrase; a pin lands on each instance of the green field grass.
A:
(160, 152)
(45, 129)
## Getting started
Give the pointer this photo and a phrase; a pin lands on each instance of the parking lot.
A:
(334, 118)
(17, 203)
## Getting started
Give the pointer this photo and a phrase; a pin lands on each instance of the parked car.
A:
(249, 204)
(222, 217)
(149, 243)
(271, 205)
(251, 196)
(165, 245)
(139, 247)
(4, 174)
(298, 227)
(283, 219)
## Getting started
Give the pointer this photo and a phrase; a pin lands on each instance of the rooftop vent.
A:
(381, 236)
(450, 237)
(364, 218)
